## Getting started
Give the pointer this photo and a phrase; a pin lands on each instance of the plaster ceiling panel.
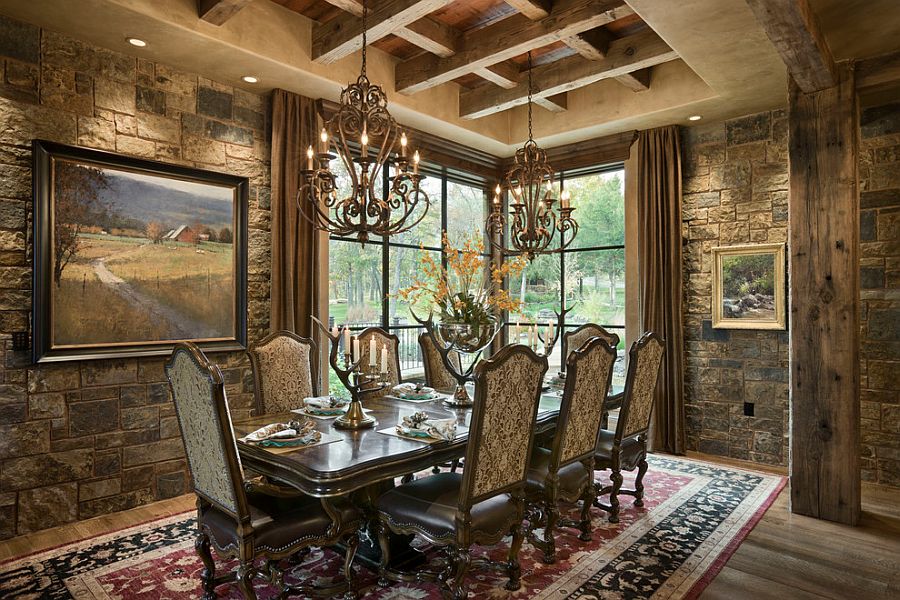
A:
(859, 28)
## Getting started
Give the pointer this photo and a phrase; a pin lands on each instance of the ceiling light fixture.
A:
(694, 118)
(362, 121)
(534, 221)
(249, 79)
(136, 42)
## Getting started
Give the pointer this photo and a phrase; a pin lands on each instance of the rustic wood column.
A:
(824, 297)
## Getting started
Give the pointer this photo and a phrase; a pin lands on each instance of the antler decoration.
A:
(359, 384)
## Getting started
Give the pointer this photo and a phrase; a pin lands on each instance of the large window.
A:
(589, 276)
(364, 280)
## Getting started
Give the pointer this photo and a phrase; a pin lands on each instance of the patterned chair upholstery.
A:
(486, 501)
(245, 520)
(284, 371)
(573, 340)
(626, 448)
(382, 338)
(565, 471)
(436, 374)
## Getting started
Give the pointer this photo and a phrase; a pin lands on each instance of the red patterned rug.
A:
(694, 517)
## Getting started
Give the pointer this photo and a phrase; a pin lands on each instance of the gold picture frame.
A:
(748, 287)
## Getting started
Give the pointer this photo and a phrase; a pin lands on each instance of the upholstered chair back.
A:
(645, 357)
(575, 339)
(436, 374)
(199, 394)
(284, 371)
(392, 342)
(501, 431)
(588, 376)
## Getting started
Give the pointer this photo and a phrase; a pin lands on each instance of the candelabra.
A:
(547, 341)
(357, 381)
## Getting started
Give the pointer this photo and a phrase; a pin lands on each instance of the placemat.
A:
(326, 438)
(393, 431)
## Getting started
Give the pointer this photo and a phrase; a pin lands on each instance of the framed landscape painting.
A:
(133, 255)
(748, 287)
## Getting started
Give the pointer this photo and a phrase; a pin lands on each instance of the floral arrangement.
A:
(463, 292)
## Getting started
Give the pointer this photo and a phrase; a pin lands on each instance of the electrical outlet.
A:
(20, 341)
(748, 409)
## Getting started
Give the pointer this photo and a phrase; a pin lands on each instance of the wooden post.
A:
(824, 297)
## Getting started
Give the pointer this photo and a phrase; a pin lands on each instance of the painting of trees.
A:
(76, 196)
(155, 231)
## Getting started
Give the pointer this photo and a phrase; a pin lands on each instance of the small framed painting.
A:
(748, 287)
(132, 256)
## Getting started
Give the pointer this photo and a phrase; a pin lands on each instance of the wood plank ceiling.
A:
(483, 45)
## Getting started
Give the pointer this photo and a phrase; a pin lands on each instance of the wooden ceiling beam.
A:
(426, 33)
(591, 44)
(342, 36)
(625, 55)
(506, 39)
(793, 29)
(533, 9)
(557, 103)
(505, 74)
(218, 12)
(638, 81)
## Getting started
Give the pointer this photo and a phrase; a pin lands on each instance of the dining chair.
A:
(436, 374)
(284, 371)
(626, 447)
(575, 339)
(392, 342)
(565, 471)
(244, 520)
(486, 502)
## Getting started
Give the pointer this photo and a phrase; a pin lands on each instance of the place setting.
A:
(422, 427)
(287, 437)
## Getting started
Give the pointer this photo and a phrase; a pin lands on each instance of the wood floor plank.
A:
(732, 583)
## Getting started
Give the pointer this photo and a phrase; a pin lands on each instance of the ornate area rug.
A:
(695, 515)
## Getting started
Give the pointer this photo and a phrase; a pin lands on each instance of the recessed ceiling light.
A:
(249, 79)
(136, 42)
(694, 118)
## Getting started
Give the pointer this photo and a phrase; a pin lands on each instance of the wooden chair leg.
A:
(552, 512)
(639, 482)
(614, 495)
(245, 574)
(587, 500)
(457, 581)
(513, 569)
(384, 544)
(352, 547)
(208, 575)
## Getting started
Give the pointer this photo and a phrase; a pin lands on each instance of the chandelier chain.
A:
(530, 93)
(365, 17)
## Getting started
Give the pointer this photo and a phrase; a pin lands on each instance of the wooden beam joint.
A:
(218, 12)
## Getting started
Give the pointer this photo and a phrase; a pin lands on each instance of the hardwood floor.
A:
(786, 557)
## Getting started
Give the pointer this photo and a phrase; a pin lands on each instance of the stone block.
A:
(45, 507)
(99, 393)
(107, 463)
(704, 200)
(174, 81)
(14, 184)
(204, 151)
(53, 378)
(752, 128)
(884, 324)
(170, 485)
(114, 95)
(151, 370)
(715, 335)
(871, 278)
(24, 122)
(126, 125)
(47, 406)
(109, 504)
(20, 41)
(138, 478)
(58, 467)
(250, 118)
(734, 233)
(133, 395)
(882, 120)
(158, 393)
(22, 75)
(89, 418)
(135, 146)
(115, 372)
(214, 103)
(770, 177)
(92, 490)
(94, 132)
(169, 428)
(144, 417)
(149, 453)
(150, 100)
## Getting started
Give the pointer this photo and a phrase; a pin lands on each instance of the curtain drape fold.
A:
(659, 258)
(294, 291)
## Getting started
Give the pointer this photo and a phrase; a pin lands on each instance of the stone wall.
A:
(735, 192)
(879, 173)
(84, 439)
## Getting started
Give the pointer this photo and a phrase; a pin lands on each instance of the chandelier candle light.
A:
(534, 220)
(362, 122)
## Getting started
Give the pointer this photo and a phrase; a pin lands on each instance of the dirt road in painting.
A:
(180, 325)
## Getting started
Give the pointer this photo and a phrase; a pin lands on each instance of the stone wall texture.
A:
(879, 174)
(735, 192)
(84, 439)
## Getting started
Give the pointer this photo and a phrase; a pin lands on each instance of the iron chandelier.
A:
(533, 218)
(362, 122)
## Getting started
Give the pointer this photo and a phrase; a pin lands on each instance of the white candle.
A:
(346, 340)
(552, 328)
(309, 159)
(516, 334)
(364, 142)
(355, 348)
(416, 162)
(324, 138)
(335, 333)
(536, 337)
(372, 355)
(384, 359)
(403, 142)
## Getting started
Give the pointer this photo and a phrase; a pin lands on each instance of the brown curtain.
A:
(294, 293)
(659, 258)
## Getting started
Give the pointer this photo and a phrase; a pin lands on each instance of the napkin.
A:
(294, 433)
(421, 425)
(325, 404)
(413, 390)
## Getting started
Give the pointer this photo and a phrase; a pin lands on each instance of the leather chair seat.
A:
(632, 448)
(278, 523)
(430, 505)
(572, 477)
